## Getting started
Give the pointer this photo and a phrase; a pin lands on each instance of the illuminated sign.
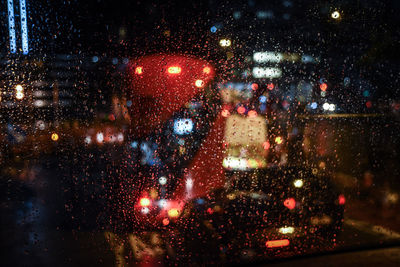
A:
(11, 26)
(24, 27)
(268, 72)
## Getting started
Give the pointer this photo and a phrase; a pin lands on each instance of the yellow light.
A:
(298, 183)
(19, 88)
(335, 15)
(144, 202)
(279, 140)
(54, 137)
(139, 70)
(225, 42)
(286, 230)
(173, 213)
(207, 70)
(199, 83)
(19, 95)
(174, 70)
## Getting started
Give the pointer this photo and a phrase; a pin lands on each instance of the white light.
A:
(145, 210)
(11, 26)
(162, 180)
(235, 163)
(335, 15)
(189, 184)
(332, 107)
(162, 203)
(225, 42)
(261, 57)
(314, 105)
(41, 125)
(286, 230)
(24, 27)
(19, 95)
(298, 183)
(326, 106)
(100, 137)
(19, 88)
(39, 103)
(183, 126)
(120, 137)
(267, 72)
(88, 140)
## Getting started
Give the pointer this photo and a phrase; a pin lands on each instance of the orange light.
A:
(252, 113)
(144, 202)
(241, 110)
(254, 86)
(199, 83)
(54, 137)
(174, 70)
(323, 86)
(165, 221)
(290, 203)
(270, 86)
(207, 70)
(225, 113)
(139, 70)
(277, 243)
(279, 140)
(342, 200)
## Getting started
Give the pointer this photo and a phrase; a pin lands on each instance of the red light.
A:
(342, 200)
(266, 145)
(207, 70)
(368, 104)
(252, 113)
(290, 203)
(144, 202)
(210, 211)
(225, 113)
(165, 221)
(174, 70)
(323, 86)
(254, 86)
(270, 86)
(277, 243)
(241, 110)
(139, 70)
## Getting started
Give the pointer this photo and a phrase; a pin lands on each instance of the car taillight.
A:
(277, 243)
(342, 200)
(290, 203)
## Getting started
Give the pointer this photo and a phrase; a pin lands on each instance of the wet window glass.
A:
(199, 132)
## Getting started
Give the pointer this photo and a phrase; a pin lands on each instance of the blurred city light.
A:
(286, 230)
(174, 70)
(207, 70)
(183, 126)
(162, 180)
(323, 86)
(225, 42)
(54, 137)
(314, 105)
(139, 70)
(268, 72)
(277, 243)
(290, 203)
(199, 83)
(279, 140)
(298, 183)
(261, 57)
(144, 202)
(335, 15)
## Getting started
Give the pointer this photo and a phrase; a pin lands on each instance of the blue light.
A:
(314, 105)
(213, 29)
(183, 126)
(134, 144)
(24, 27)
(129, 103)
(115, 61)
(95, 59)
(263, 99)
(11, 26)
(366, 93)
